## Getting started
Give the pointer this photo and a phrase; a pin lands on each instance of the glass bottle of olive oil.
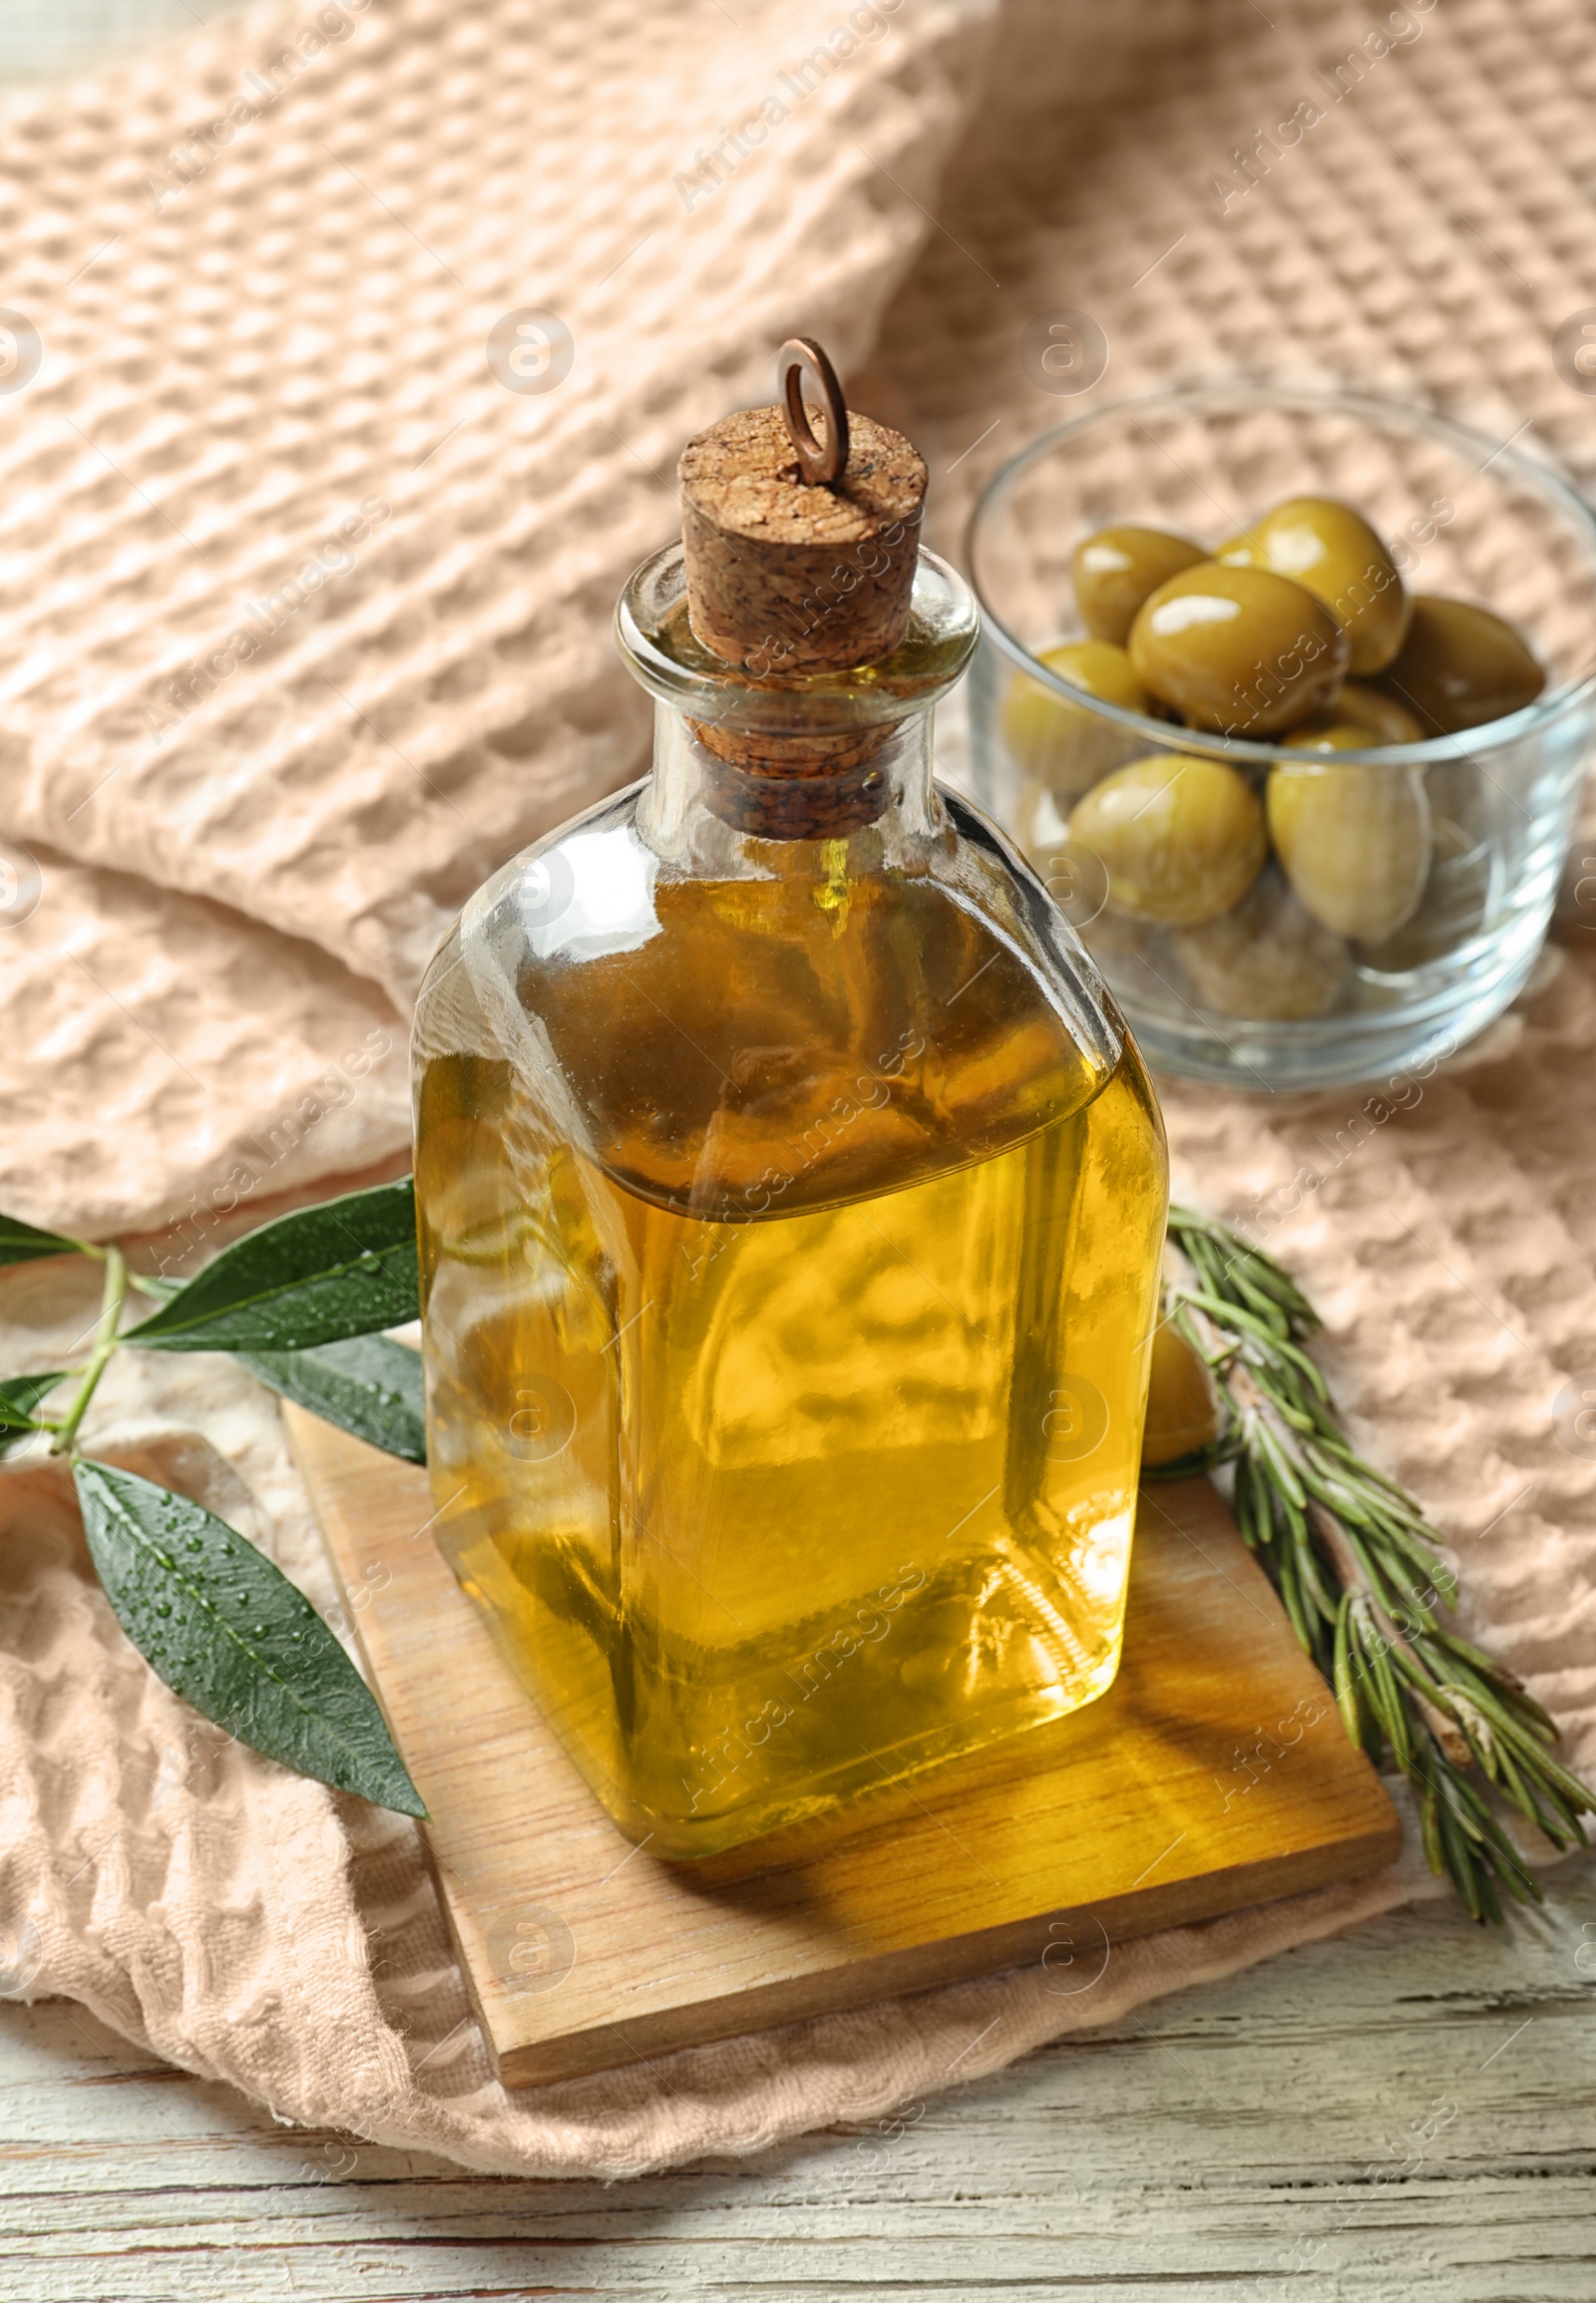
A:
(791, 1198)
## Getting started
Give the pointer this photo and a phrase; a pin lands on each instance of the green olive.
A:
(1332, 551)
(1362, 720)
(1461, 666)
(1453, 906)
(1332, 736)
(1039, 823)
(1182, 1406)
(1353, 841)
(1388, 721)
(1180, 838)
(1064, 746)
(1240, 651)
(1267, 962)
(1117, 569)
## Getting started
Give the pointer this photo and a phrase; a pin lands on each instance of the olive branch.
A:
(301, 1303)
(1356, 1568)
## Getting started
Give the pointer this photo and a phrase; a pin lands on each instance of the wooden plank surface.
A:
(1241, 2143)
(1138, 1813)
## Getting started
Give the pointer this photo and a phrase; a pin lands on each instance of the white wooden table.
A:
(1255, 2141)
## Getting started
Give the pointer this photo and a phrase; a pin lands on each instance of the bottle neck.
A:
(788, 791)
(802, 757)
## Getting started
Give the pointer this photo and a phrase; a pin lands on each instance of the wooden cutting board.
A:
(1214, 1773)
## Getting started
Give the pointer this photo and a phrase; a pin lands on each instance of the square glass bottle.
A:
(791, 1198)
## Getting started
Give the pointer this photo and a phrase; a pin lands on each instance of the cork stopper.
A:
(800, 554)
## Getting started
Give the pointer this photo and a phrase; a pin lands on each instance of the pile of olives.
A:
(1301, 633)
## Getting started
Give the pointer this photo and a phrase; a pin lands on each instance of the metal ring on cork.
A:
(821, 462)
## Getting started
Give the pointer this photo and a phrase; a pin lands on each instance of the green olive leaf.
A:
(231, 1635)
(370, 1385)
(21, 1243)
(318, 1276)
(19, 1397)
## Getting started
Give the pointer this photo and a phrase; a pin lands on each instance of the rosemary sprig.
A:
(1355, 1562)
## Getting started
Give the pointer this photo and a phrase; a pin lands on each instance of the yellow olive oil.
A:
(788, 1268)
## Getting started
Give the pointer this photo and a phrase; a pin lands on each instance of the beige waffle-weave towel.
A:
(262, 273)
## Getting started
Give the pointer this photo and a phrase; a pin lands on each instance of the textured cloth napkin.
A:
(348, 354)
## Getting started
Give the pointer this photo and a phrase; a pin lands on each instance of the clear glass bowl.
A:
(1464, 516)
